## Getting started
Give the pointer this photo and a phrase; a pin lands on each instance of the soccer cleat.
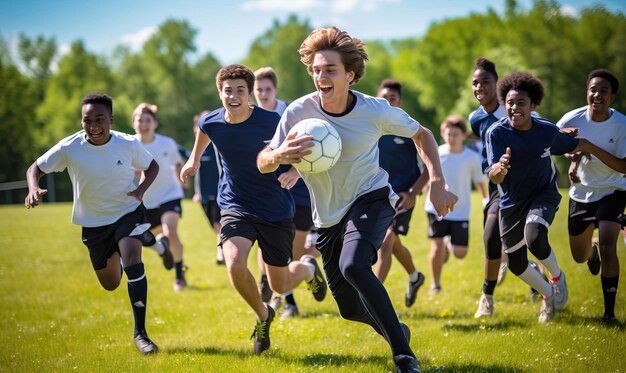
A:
(485, 306)
(407, 364)
(168, 259)
(560, 292)
(504, 268)
(264, 289)
(609, 319)
(412, 288)
(144, 344)
(435, 289)
(534, 295)
(290, 310)
(547, 309)
(261, 333)
(594, 263)
(180, 284)
(276, 302)
(317, 285)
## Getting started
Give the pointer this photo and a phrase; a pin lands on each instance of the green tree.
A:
(37, 56)
(278, 48)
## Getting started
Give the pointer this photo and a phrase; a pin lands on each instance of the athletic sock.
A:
(536, 281)
(609, 290)
(158, 247)
(413, 276)
(179, 270)
(138, 294)
(289, 298)
(489, 286)
(551, 265)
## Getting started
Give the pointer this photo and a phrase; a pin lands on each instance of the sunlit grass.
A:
(55, 316)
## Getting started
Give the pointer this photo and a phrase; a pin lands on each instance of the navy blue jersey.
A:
(209, 174)
(480, 121)
(398, 156)
(242, 186)
(532, 170)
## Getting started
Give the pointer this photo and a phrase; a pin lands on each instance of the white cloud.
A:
(345, 6)
(136, 40)
(335, 6)
(281, 5)
(569, 10)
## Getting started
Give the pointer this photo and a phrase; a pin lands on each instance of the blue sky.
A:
(226, 28)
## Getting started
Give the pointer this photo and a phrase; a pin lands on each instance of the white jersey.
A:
(101, 175)
(166, 186)
(460, 170)
(597, 180)
(280, 107)
(357, 171)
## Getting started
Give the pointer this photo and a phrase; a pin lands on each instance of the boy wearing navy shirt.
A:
(519, 149)
(254, 207)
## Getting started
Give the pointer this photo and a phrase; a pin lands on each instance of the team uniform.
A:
(206, 182)
(398, 156)
(353, 206)
(165, 193)
(459, 171)
(253, 205)
(528, 193)
(101, 178)
(601, 193)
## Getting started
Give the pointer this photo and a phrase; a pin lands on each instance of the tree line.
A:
(41, 104)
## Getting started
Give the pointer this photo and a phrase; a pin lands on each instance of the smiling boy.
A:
(101, 164)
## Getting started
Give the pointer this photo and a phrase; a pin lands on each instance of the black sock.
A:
(489, 286)
(179, 270)
(290, 299)
(609, 289)
(138, 294)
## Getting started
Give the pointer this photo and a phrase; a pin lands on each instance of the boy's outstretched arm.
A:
(33, 174)
(607, 158)
(442, 200)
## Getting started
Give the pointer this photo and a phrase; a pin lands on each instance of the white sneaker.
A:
(290, 310)
(560, 292)
(547, 309)
(485, 306)
(276, 302)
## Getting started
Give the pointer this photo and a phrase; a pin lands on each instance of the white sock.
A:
(551, 265)
(312, 268)
(536, 281)
(158, 246)
(413, 276)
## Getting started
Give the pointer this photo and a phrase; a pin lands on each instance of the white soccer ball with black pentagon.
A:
(327, 145)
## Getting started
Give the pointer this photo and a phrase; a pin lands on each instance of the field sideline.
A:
(56, 318)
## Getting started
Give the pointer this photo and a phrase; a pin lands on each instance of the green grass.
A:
(56, 317)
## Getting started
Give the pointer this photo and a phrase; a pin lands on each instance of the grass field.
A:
(55, 316)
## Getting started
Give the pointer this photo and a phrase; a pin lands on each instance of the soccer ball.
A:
(327, 148)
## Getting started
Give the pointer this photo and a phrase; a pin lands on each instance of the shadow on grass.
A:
(308, 360)
(340, 360)
(486, 326)
(565, 317)
(474, 368)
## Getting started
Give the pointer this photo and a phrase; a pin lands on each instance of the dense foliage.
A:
(41, 104)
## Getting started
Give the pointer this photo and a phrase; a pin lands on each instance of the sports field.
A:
(56, 317)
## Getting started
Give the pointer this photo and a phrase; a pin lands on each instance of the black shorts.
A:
(608, 208)
(154, 215)
(275, 238)
(368, 218)
(303, 218)
(540, 209)
(492, 205)
(212, 211)
(102, 242)
(457, 230)
(400, 225)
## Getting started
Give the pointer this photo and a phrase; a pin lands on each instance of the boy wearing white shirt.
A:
(461, 167)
